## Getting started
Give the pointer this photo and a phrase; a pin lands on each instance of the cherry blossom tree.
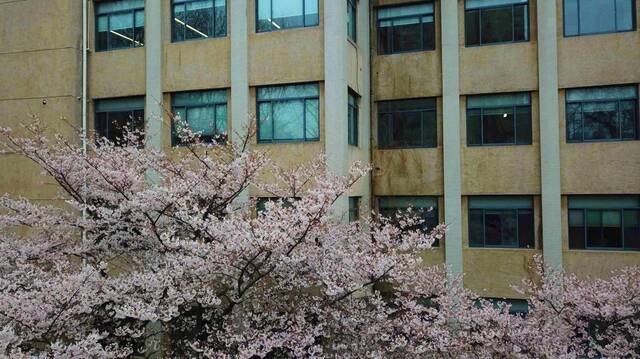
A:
(155, 253)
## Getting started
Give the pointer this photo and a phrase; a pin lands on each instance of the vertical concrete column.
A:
(153, 66)
(549, 133)
(239, 74)
(451, 135)
(364, 141)
(335, 92)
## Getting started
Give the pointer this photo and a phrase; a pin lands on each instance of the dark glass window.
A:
(407, 123)
(276, 15)
(198, 19)
(288, 113)
(352, 119)
(354, 209)
(602, 114)
(496, 21)
(204, 112)
(119, 24)
(499, 119)
(114, 117)
(406, 28)
(352, 20)
(585, 17)
(505, 221)
(424, 206)
(604, 222)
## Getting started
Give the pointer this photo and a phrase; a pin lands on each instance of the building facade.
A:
(516, 120)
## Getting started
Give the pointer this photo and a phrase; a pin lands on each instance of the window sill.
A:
(500, 145)
(287, 29)
(199, 39)
(466, 46)
(405, 52)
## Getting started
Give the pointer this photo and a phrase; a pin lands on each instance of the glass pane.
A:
(520, 23)
(292, 91)
(571, 17)
(406, 35)
(428, 35)
(201, 120)
(523, 125)
(476, 228)
(429, 129)
(509, 99)
(496, 25)
(101, 127)
(385, 44)
(628, 118)
(220, 18)
(138, 30)
(597, 16)
(312, 118)
(199, 21)
(501, 202)
(311, 12)
(264, 15)
(574, 122)
(602, 93)
(351, 21)
(288, 120)
(178, 28)
(406, 10)
(472, 4)
(600, 121)
(594, 229)
(102, 33)
(624, 15)
(287, 13)
(526, 237)
(406, 105)
(121, 30)
(632, 229)
(472, 27)
(611, 228)
(113, 6)
(221, 119)
(474, 127)
(602, 202)
(385, 123)
(500, 228)
(497, 126)
(407, 129)
(265, 123)
(576, 229)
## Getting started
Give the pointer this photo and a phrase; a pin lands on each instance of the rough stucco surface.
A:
(201, 64)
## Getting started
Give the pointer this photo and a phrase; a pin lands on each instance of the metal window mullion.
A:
(484, 228)
(482, 126)
(517, 227)
(622, 226)
(615, 15)
(271, 29)
(515, 126)
(480, 26)
(582, 122)
(273, 122)
(304, 18)
(579, 29)
(422, 141)
(304, 119)
(513, 23)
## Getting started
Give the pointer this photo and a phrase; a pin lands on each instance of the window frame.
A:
(617, 101)
(503, 208)
(213, 21)
(175, 141)
(132, 11)
(515, 127)
(304, 120)
(633, 21)
(352, 121)
(512, 6)
(584, 211)
(422, 122)
(435, 28)
(353, 5)
(304, 14)
(131, 110)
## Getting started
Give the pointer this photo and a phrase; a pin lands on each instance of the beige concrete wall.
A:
(491, 272)
(500, 67)
(501, 169)
(598, 167)
(594, 60)
(410, 171)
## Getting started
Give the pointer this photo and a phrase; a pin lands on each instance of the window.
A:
(407, 123)
(499, 119)
(119, 24)
(352, 22)
(288, 113)
(424, 206)
(204, 112)
(286, 202)
(505, 221)
(198, 19)
(276, 15)
(353, 118)
(602, 114)
(604, 222)
(406, 28)
(495, 21)
(585, 17)
(354, 209)
(116, 116)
